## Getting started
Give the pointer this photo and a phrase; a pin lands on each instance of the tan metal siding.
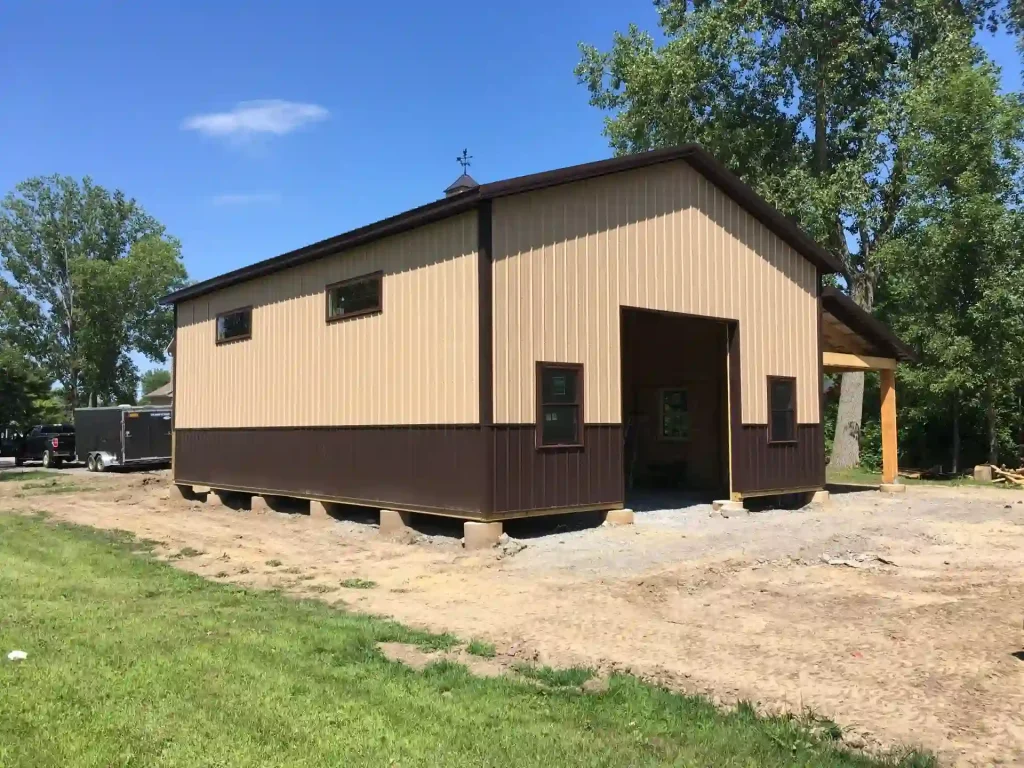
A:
(663, 238)
(414, 363)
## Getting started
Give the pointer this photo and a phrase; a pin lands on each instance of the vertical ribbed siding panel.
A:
(414, 363)
(665, 238)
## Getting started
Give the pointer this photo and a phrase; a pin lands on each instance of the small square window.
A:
(235, 325)
(355, 297)
(559, 404)
(782, 405)
(675, 415)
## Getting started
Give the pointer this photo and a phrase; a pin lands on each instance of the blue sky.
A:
(361, 107)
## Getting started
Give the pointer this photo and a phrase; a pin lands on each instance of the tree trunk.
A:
(956, 434)
(993, 432)
(846, 442)
(846, 445)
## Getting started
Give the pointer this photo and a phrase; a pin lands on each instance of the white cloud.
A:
(251, 118)
(246, 198)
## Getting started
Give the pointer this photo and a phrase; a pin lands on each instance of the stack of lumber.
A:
(1004, 475)
(934, 473)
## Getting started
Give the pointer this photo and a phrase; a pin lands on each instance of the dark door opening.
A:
(674, 408)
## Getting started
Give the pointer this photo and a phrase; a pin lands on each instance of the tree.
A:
(962, 228)
(87, 267)
(154, 379)
(802, 98)
(26, 397)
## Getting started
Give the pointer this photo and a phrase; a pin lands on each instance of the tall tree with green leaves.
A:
(26, 395)
(802, 98)
(86, 268)
(954, 276)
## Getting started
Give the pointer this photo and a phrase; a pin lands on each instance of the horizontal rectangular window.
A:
(235, 325)
(358, 296)
(675, 415)
(559, 404)
(782, 407)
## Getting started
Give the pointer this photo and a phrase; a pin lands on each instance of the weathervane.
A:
(464, 159)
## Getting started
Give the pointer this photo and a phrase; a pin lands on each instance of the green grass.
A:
(860, 476)
(51, 485)
(480, 648)
(132, 662)
(556, 678)
(358, 584)
(30, 474)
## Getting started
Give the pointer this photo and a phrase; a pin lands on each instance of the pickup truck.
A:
(52, 444)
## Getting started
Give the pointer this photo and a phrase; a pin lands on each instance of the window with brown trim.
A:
(674, 412)
(782, 409)
(352, 298)
(559, 405)
(235, 325)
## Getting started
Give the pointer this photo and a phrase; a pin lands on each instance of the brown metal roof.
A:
(863, 323)
(694, 154)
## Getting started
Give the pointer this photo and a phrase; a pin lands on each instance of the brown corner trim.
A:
(174, 387)
(485, 311)
(485, 344)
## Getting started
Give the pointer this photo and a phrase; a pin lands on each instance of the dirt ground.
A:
(898, 617)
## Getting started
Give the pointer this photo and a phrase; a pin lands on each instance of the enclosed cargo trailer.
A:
(123, 436)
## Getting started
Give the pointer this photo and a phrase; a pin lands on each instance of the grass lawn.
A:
(859, 476)
(28, 474)
(133, 663)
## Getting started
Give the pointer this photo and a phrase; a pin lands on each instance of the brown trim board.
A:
(485, 346)
(698, 157)
(174, 392)
(821, 370)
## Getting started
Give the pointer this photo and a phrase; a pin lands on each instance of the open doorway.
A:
(674, 408)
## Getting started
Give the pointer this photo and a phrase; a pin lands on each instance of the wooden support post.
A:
(890, 468)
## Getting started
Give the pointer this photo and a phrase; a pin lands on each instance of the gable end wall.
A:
(661, 238)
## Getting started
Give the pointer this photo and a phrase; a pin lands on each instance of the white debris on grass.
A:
(17, 656)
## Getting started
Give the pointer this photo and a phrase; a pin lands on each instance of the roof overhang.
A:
(699, 158)
(855, 338)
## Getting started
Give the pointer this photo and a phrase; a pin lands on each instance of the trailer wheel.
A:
(98, 463)
(91, 462)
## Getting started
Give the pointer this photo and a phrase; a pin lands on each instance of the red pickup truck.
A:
(52, 444)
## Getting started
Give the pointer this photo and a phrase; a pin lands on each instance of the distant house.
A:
(535, 345)
(161, 395)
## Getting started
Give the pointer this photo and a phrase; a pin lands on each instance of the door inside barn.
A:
(674, 408)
